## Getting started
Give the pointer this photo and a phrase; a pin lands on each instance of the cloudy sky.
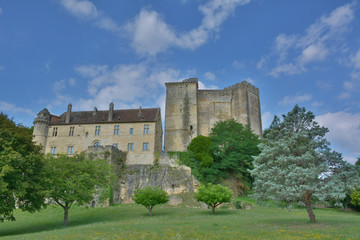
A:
(93, 52)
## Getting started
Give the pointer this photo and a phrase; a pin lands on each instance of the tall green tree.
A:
(21, 170)
(234, 146)
(296, 163)
(74, 179)
(226, 155)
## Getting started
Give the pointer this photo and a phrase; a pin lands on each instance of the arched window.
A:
(96, 144)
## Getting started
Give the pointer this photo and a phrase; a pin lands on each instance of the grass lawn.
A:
(133, 222)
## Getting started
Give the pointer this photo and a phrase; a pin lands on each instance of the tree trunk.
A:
(213, 209)
(150, 211)
(66, 214)
(307, 200)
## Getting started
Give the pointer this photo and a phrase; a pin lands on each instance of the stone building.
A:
(190, 112)
(135, 131)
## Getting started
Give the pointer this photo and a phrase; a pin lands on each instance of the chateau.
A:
(189, 112)
(136, 131)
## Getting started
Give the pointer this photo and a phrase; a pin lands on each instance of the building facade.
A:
(190, 112)
(135, 131)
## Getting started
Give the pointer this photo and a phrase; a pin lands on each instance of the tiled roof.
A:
(119, 116)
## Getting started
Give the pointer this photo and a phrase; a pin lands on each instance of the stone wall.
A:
(191, 112)
(163, 172)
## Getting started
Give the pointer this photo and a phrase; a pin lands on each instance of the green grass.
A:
(133, 222)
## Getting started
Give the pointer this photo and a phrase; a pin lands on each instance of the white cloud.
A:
(211, 87)
(210, 76)
(318, 41)
(250, 80)
(344, 95)
(289, 69)
(355, 60)
(91, 70)
(126, 85)
(148, 31)
(7, 107)
(344, 132)
(314, 52)
(87, 11)
(151, 34)
(82, 9)
(291, 100)
(324, 85)
(317, 104)
(238, 64)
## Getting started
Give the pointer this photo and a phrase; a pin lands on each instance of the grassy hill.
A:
(133, 222)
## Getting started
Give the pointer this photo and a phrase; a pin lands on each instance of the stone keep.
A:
(190, 112)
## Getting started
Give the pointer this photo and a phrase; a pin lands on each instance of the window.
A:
(130, 146)
(116, 145)
(87, 133)
(53, 150)
(145, 146)
(71, 132)
(131, 131)
(70, 150)
(55, 131)
(116, 129)
(146, 128)
(96, 144)
(97, 130)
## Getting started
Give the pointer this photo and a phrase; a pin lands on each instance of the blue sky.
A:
(92, 52)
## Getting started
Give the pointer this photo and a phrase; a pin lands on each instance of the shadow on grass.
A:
(218, 212)
(82, 216)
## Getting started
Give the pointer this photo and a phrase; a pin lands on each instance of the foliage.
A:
(226, 154)
(149, 197)
(21, 170)
(213, 195)
(74, 179)
(355, 197)
(200, 146)
(296, 163)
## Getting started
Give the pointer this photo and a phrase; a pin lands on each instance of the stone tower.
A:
(41, 127)
(181, 123)
(190, 112)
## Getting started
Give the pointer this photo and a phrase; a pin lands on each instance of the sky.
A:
(93, 52)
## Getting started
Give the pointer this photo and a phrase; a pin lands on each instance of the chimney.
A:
(111, 112)
(68, 114)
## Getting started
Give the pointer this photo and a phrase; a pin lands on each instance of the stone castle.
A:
(189, 112)
(136, 134)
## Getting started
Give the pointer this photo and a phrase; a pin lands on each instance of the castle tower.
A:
(41, 127)
(245, 105)
(181, 123)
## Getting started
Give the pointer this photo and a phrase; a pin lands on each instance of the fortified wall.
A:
(191, 112)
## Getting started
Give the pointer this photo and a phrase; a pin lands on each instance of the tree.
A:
(149, 197)
(21, 170)
(234, 146)
(355, 198)
(213, 195)
(227, 154)
(74, 179)
(296, 163)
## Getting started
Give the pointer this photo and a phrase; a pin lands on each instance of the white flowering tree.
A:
(296, 163)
